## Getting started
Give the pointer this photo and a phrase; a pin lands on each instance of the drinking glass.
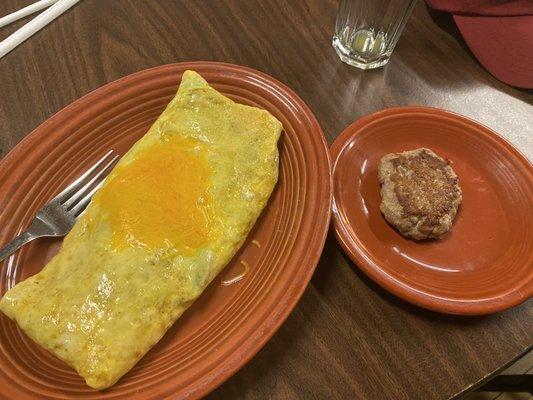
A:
(366, 31)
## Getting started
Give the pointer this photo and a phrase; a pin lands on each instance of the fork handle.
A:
(16, 244)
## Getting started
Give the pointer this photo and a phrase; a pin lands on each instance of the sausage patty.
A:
(420, 193)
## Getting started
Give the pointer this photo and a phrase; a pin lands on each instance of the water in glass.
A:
(366, 31)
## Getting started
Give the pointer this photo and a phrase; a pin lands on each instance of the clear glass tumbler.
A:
(366, 31)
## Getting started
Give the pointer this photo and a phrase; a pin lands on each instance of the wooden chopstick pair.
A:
(56, 8)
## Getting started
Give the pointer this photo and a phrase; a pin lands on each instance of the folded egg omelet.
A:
(168, 218)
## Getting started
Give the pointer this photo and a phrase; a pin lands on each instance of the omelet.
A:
(168, 218)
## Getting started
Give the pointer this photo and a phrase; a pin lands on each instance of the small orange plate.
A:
(485, 263)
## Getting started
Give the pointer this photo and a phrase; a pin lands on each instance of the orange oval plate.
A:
(485, 263)
(228, 324)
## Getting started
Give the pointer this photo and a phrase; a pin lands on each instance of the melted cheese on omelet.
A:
(168, 218)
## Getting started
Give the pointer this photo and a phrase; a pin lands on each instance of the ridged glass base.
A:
(358, 60)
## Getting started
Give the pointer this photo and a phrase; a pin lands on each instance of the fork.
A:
(57, 217)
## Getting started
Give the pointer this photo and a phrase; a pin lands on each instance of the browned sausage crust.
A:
(420, 193)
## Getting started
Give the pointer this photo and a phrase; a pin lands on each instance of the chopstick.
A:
(32, 8)
(35, 25)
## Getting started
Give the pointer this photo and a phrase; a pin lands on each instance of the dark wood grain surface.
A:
(347, 338)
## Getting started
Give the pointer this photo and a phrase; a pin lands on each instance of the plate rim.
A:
(266, 328)
(359, 256)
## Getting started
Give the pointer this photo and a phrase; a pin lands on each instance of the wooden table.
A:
(347, 338)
